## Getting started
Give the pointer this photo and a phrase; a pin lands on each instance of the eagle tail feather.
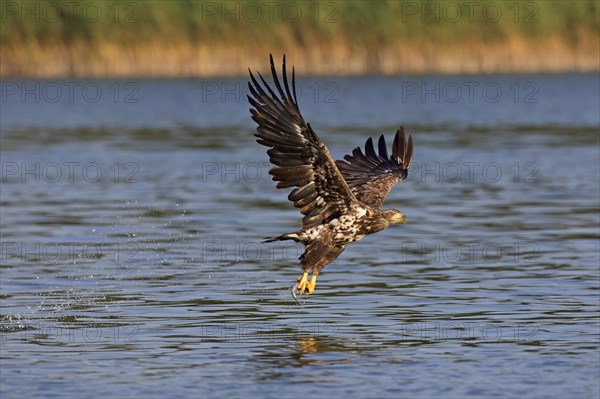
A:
(282, 237)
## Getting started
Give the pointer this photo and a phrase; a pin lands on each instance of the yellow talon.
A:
(303, 286)
(311, 285)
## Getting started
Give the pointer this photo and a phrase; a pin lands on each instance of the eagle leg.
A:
(303, 286)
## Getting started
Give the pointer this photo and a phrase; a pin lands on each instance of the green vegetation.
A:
(131, 22)
(289, 25)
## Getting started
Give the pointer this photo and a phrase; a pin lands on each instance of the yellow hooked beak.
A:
(399, 218)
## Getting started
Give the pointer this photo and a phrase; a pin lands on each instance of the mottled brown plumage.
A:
(340, 200)
(371, 176)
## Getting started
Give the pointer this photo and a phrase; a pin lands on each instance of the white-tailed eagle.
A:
(340, 200)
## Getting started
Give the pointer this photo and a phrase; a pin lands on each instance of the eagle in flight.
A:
(340, 200)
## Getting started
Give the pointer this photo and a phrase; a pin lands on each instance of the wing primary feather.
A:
(369, 149)
(272, 102)
(372, 176)
(256, 89)
(382, 148)
(402, 145)
(276, 81)
(273, 95)
(409, 153)
(294, 84)
(301, 159)
(395, 147)
(285, 82)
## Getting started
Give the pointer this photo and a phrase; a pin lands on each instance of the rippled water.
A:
(132, 264)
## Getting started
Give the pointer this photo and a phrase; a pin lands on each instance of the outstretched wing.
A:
(372, 176)
(301, 159)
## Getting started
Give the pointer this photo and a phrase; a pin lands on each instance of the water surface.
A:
(132, 264)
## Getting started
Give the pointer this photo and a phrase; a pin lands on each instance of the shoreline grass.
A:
(90, 38)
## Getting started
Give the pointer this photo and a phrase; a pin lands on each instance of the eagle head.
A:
(394, 216)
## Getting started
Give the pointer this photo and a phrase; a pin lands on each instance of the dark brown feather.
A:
(372, 176)
(339, 200)
(301, 160)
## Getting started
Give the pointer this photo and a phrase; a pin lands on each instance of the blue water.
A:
(132, 214)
